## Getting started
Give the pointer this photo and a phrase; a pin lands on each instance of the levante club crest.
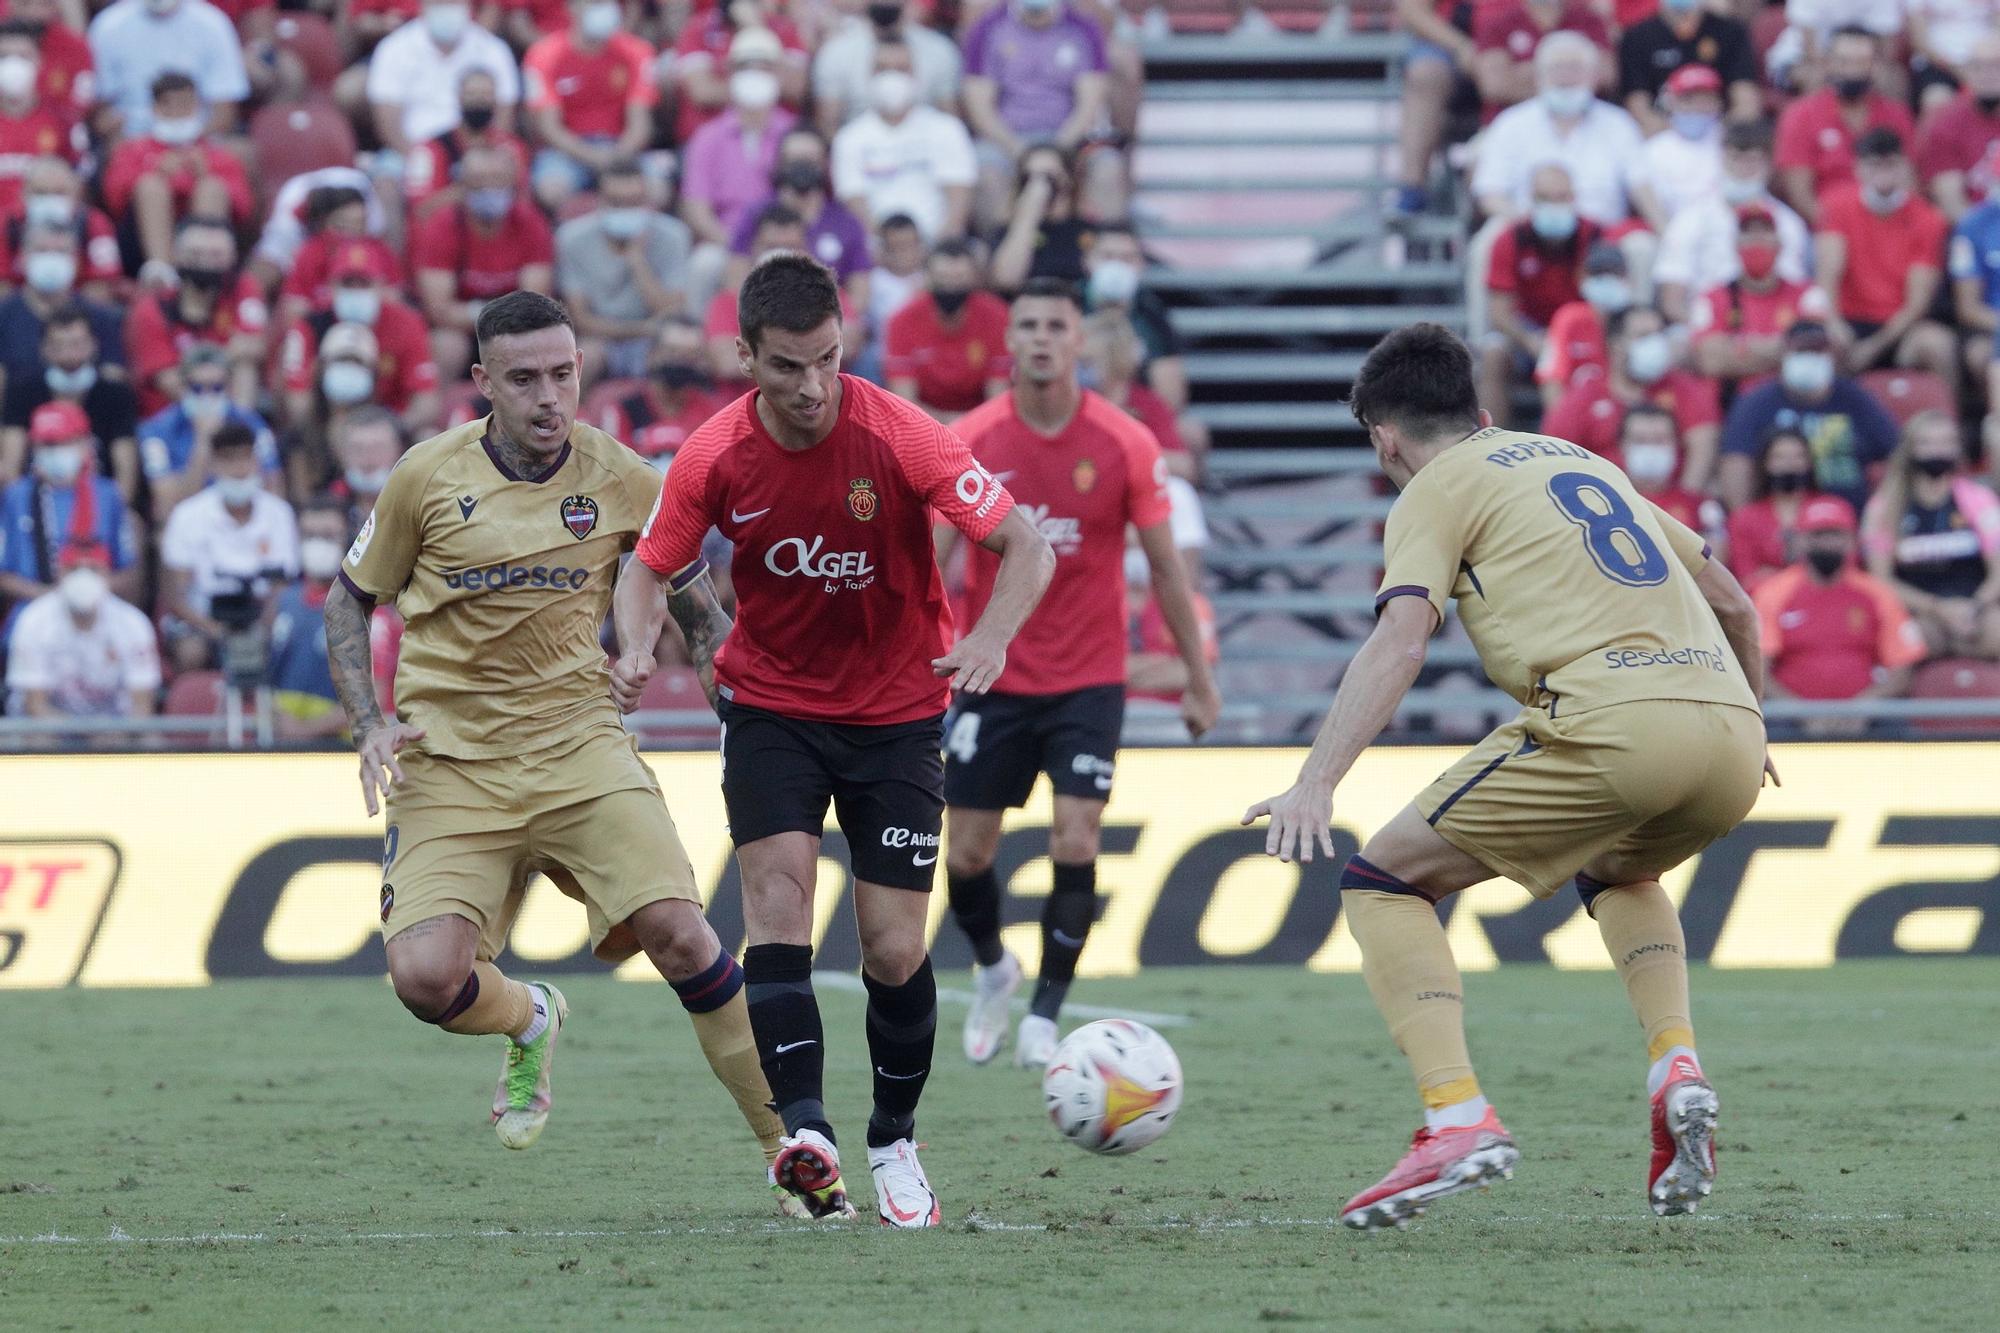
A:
(861, 501)
(579, 515)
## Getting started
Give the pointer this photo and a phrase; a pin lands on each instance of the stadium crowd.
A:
(1752, 252)
(243, 248)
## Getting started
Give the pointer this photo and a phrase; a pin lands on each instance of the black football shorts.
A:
(995, 744)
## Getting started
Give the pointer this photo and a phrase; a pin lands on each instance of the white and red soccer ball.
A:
(1113, 1086)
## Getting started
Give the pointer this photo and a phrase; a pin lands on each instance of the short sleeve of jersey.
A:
(385, 553)
(1146, 499)
(671, 539)
(639, 479)
(1423, 545)
(941, 468)
(1689, 546)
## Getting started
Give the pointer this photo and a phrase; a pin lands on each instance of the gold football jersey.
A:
(503, 583)
(1576, 590)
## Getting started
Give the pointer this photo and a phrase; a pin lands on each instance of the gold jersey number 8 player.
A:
(1639, 743)
(499, 542)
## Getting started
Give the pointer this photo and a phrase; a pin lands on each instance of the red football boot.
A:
(1684, 1111)
(1440, 1162)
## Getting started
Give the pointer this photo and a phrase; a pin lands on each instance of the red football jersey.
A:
(485, 264)
(592, 89)
(403, 364)
(1080, 487)
(950, 365)
(40, 133)
(840, 608)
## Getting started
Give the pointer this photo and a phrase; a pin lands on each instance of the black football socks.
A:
(784, 1017)
(902, 1030)
(1066, 917)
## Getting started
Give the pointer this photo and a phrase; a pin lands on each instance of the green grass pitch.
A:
(300, 1154)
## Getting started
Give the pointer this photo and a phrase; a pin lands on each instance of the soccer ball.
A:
(1112, 1086)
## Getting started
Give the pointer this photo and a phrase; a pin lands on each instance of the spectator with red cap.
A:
(212, 302)
(430, 168)
(590, 94)
(79, 650)
(1683, 162)
(73, 371)
(233, 537)
(1683, 32)
(28, 129)
(1698, 250)
(1817, 133)
(1831, 631)
(337, 224)
(491, 242)
(1760, 530)
(1881, 250)
(1640, 369)
(656, 415)
(175, 443)
(702, 70)
(1506, 34)
(1955, 144)
(1739, 327)
(174, 171)
(1535, 269)
(362, 294)
(52, 196)
(1932, 533)
(946, 350)
(62, 501)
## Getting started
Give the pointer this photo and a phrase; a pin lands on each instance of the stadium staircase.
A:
(1265, 158)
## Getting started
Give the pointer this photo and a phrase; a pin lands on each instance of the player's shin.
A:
(1642, 932)
(1414, 979)
(715, 1004)
(1066, 919)
(784, 1017)
(975, 905)
(491, 1002)
(902, 1031)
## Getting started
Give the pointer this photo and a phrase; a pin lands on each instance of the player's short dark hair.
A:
(786, 290)
(519, 312)
(1879, 142)
(1050, 289)
(1418, 379)
(173, 81)
(1642, 411)
(231, 437)
(1748, 136)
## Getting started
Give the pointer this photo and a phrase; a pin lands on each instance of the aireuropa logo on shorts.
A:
(902, 837)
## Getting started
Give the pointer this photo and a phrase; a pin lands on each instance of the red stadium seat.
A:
(194, 694)
(1186, 17)
(1908, 392)
(311, 38)
(1957, 678)
(291, 138)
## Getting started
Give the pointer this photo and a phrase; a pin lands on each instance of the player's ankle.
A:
(885, 1130)
(1656, 1076)
(1458, 1115)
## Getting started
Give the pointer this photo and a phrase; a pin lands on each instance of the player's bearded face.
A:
(532, 381)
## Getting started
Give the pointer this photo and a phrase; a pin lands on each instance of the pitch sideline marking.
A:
(848, 981)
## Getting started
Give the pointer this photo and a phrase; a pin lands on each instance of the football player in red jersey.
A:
(1082, 469)
(831, 685)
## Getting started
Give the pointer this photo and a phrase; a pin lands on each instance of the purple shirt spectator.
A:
(1035, 69)
(836, 237)
(718, 168)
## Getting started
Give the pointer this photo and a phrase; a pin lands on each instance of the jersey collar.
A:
(562, 456)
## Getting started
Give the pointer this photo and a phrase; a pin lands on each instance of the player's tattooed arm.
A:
(353, 669)
(704, 624)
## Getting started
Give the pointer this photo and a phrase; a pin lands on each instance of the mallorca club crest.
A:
(579, 515)
(861, 499)
(1084, 476)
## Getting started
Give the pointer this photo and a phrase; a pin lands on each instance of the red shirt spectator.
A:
(66, 84)
(649, 417)
(950, 366)
(1592, 410)
(1826, 640)
(1812, 135)
(1738, 311)
(140, 157)
(705, 40)
(1542, 278)
(156, 334)
(1155, 414)
(1575, 345)
(98, 259)
(593, 88)
(1881, 249)
(1959, 139)
(1151, 637)
(432, 163)
(548, 16)
(38, 133)
(403, 364)
(485, 264)
(311, 278)
(1511, 26)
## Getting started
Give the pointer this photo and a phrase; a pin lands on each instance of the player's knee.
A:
(1074, 844)
(675, 936)
(427, 990)
(892, 960)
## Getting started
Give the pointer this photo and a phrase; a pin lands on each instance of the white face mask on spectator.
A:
(70, 383)
(1648, 357)
(1606, 292)
(600, 21)
(1037, 6)
(17, 76)
(892, 91)
(347, 382)
(162, 8)
(83, 590)
(622, 224)
(356, 305)
(447, 23)
(319, 557)
(1113, 282)
(237, 491)
(50, 210)
(753, 89)
(1650, 462)
(1739, 190)
(49, 271)
(366, 481)
(1807, 373)
(178, 130)
(1567, 101)
(59, 464)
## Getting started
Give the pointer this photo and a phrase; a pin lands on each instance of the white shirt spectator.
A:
(1602, 153)
(889, 292)
(131, 46)
(222, 555)
(286, 231)
(846, 61)
(1954, 27)
(1698, 249)
(1683, 171)
(87, 671)
(1882, 17)
(410, 70)
(903, 168)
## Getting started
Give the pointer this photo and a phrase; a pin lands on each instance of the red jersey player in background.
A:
(1082, 469)
(831, 685)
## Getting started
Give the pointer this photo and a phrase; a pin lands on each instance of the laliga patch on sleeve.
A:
(361, 539)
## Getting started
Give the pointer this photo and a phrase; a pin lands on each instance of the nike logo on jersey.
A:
(793, 1046)
(923, 860)
(900, 1078)
(735, 517)
(465, 504)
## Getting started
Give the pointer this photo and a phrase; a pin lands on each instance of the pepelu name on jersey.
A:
(1064, 534)
(561, 578)
(1527, 451)
(1709, 659)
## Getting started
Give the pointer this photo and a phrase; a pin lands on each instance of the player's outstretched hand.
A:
(379, 769)
(1201, 705)
(1771, 771)
(629, 675)
(972, 666)
(1299, 818)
